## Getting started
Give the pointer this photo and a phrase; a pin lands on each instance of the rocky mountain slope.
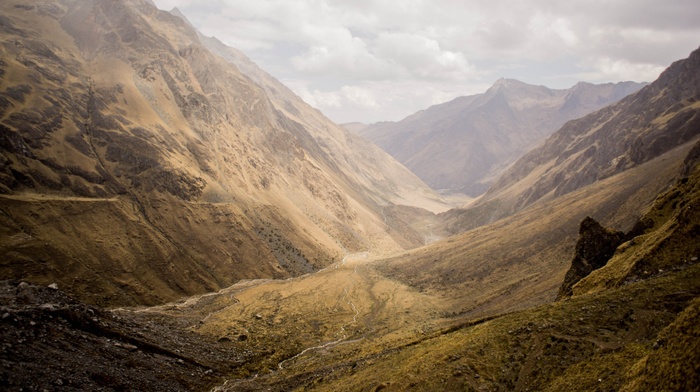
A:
(631, 325)
(659, 118)
(137, 166)
(465, 144)
(641, 308)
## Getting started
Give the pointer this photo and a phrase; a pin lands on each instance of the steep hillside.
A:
(380, 176)
(657, 119)
(521, 260)
(634, 335)
(464, 145)
(348, 327)
(665, 239)
(136, 166)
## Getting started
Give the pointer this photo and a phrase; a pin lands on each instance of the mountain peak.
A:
(463, 145)
(505, 83)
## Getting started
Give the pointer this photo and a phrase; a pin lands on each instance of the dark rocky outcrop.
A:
(595, 247)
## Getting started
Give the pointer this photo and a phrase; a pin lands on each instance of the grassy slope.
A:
(520, 261)
(669, 234)
(638, 336)
(169, 172)
(587, 343)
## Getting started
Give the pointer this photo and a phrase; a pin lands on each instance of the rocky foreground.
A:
(52, 342)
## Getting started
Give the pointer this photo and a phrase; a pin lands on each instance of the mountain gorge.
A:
(465, 144)
(174, 218)
(120, 127)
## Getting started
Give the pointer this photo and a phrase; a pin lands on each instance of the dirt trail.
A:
(34, 197)
(345, 298)
(294, 321)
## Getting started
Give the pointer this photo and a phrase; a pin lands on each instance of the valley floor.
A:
(342, 308)
(344, 328)
(349, 328)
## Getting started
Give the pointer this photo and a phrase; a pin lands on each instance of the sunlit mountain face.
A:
(175, 218)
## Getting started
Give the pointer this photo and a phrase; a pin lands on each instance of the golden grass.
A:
(592, 341)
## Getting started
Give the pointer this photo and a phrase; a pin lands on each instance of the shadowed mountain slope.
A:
(641, 127)
(636, 332)
(465, 144)
(136, 166)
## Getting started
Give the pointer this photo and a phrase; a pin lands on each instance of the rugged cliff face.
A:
(137, 166)
(594, 248)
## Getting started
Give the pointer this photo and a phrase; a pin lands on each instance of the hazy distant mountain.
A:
(136, 166)
(141, 163)
(657, 119)
(463, 145)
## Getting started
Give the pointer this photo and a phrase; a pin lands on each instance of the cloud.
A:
(343, 55)
(421, 57)
(373, 101)
(378, 59)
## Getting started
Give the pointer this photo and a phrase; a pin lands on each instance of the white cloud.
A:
(343, 56)
(378, 59)
(381, 100)
(605, 69)
(421, 57)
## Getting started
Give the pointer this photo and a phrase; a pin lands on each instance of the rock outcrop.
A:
(594, 248)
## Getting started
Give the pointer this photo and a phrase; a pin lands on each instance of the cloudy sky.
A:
(376, 60)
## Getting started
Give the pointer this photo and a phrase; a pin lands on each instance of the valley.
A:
(174, 218)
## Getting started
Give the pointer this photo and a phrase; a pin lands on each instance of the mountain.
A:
(465, 144)
(630, 325)
(659, 118)
(137, 166)
(393, 183)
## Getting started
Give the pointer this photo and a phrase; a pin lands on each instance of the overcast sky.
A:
(376, 60)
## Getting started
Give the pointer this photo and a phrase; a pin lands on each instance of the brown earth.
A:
(136, 166)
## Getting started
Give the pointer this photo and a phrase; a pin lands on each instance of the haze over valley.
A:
(173, 217)
(463, 145)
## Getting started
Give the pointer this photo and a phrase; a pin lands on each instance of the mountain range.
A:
(641, 127)
(174, 218)
(184, 173)
(464, 145)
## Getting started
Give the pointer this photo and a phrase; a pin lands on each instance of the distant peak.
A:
(582, 84)
(505, 83)
(176, 11)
